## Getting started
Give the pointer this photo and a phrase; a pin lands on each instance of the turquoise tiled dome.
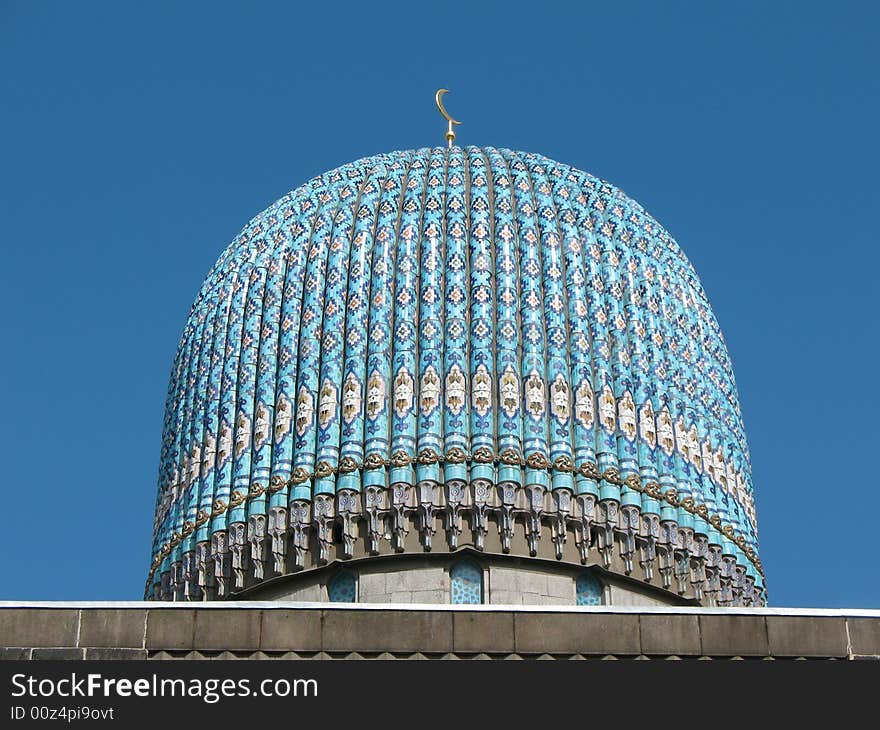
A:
(440, 332)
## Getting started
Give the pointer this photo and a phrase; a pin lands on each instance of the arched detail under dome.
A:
(342, 588)
(467, 582)
(589, 590)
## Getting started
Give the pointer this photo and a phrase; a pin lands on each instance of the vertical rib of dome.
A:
(476, 343)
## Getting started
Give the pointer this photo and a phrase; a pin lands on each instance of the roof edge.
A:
(490, 608)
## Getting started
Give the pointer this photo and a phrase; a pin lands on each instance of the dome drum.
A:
(536, 523)
(465, 576)
(428, 350)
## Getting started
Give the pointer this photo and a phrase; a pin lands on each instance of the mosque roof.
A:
(452, 316)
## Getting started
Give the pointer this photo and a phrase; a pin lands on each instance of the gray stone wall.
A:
(426, 580)
(629, 595)
(531, 587)
(421, 582)
(259, 630)
(410, 582)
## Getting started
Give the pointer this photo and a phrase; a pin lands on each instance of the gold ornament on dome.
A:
(450, 132)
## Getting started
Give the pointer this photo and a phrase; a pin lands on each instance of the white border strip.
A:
(491, 608)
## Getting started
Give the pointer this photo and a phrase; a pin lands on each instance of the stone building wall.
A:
(140, 630)
(536, 587)
(506, 580)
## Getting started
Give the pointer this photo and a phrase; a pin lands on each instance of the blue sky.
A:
(139, 139)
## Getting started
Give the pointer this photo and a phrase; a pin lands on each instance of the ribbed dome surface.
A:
(470, 316)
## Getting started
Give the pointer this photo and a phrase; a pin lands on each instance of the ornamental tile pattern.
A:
(466, 582)
(466, 313)
(343, 587)
(588, 590)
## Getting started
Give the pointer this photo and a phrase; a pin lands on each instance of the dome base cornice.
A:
(429, 517)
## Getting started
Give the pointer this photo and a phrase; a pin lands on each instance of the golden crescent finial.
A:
(450, 134)
(438, 97)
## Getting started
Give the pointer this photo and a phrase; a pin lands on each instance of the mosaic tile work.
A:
(343, 587)
(467, 582)
(464, 316)
(588, 590)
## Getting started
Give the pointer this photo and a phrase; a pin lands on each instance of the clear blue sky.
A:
(139, 138)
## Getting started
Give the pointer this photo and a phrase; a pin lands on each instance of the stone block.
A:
(371, 584)
(399, 581)
(58, 654)
(505, 597)
(116, 654)
(374, 598)
(817, 636)
(864, 636)
(311, 592)
(390, 631)
(230, 629)
(171, 628)
(529, 582)
(484, 632)
(432, 596)
(674, 634)
(582, 633)
(733, 635)
(416, 579)
(562, 587)
(626, 596)
(33, 627)
(539, 599)
(503, 579)
(14, 654)
(112, 627)
(291, 630)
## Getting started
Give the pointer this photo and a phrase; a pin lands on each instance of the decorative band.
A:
(457, 455)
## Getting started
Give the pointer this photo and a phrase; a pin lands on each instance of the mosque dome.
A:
(475, 364)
